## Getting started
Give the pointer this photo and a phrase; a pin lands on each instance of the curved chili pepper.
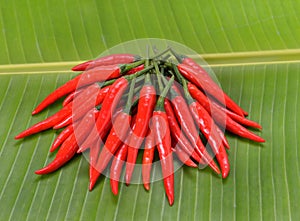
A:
(177, 134)
(108, 107)
(144, 112)
(70, 97)
(110, 102)
(82, 106)
(163, 140)
(70, 146)
(238, 118)
(222, 158)
(119, 160)
(148, 156)
(65, 122)
(61, 137)
(65, 153)
(205, 123)
(107, 60)
(94, 155)
(98, 74)
(116, 136)
(187, 123)
(116, 168)
(209, 86)
(47, 123)
(162, 137)
(135, 70)
(208, 128)
(230, 124)
(199, 75)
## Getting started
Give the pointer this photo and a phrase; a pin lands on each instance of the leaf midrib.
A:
(214, 60)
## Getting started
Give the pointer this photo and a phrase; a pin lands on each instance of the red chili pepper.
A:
(119, 160)
(209, 86)
(207, 127)
(222, 158)
(98, 74)
(94, 155)
(186, 121)
(65, 122)
(71, 144)
(205, 123)
(231, 125)
(238, 118)
(109, 104)
(209, 130)
(47, 123)
(144, 112)
(70, 97)
(116, 168)
(61, 137)
(65, 153)
(135, 70)
(107, 60)
(177, 134)
(160, 124)
(117, 134)
(108, 107)
(163, 143)
(148, 156)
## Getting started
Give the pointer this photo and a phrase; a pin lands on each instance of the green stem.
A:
(158, 74)
(127, 67)
(183, 82)
(161, 53)
(160, 103)
(178, 57)
(172, 91)
(129, 98)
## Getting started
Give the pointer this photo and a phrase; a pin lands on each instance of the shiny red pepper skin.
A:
(209, 86)
(65, 153)
(109, 105)
(47, 123)
(148, 156)
(98, 74)
(205, 123)
(116, 168)
(70, 146)
(106, 60)
(218, 115)
(163, 140)
(114, 140)
(145, 109)
(61, 137)
(208, 128)
(177, 134)
(70, 97)
(186, 121)
(222, 158)
(94, 155)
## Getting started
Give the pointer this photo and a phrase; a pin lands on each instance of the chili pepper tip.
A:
(20, 135)
(170, 199)
(147, 186)
(115, 191)
(92, 183)
(81, 67)
(225, 173)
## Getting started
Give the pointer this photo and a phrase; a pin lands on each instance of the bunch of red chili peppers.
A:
(122, 105)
